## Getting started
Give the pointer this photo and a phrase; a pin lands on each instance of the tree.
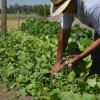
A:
(38, 9)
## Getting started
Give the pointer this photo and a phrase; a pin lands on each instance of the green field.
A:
(21, 16)
(14, 22)
(27, 55)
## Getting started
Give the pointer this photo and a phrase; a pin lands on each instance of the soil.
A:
(4, 96)
(13, 23)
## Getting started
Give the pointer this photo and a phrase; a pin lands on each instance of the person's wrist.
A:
(79, 57)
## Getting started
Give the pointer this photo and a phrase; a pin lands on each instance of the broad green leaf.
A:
(71, 76)
(87, 96)
(91, 82)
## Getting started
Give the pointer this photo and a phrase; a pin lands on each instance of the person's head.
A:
(59, 6)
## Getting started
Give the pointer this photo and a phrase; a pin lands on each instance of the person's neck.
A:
(74, 6)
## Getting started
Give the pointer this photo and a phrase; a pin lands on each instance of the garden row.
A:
(27, 54)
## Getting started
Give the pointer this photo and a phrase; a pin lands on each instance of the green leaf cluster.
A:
(27, 55)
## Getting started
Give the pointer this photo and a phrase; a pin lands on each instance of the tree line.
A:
(43, 10)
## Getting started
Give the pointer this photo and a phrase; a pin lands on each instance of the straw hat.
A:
(58, 6)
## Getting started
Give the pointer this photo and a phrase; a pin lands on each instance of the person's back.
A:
(92, 12)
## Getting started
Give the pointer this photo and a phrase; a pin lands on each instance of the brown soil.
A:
(4, 96)
(13, 23)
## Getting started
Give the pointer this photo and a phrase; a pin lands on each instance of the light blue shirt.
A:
(88, 11)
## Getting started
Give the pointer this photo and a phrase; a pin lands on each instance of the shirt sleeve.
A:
(66, 20)
(95, 19)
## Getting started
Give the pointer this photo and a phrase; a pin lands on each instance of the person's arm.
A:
(88, 51)
(63, 37)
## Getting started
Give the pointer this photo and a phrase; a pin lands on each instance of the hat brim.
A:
(60, 9)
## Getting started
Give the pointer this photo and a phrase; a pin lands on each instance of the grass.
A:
(12, 21)
(21, 16)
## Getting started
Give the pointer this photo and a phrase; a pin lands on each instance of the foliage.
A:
(26, 57)
(39, 27)
(42, 10)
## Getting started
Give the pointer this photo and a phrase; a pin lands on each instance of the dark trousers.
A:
(95, 55)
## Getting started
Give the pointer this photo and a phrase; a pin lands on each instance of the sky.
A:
(28, 2)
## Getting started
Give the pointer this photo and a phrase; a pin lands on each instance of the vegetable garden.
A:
(27, 54)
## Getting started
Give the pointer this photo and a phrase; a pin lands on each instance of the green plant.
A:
(25, 60)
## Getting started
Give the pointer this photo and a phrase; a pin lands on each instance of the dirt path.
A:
(4, 96)
(13, 23)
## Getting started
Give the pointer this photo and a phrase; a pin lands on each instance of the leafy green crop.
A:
(25, 60)
(38, 27)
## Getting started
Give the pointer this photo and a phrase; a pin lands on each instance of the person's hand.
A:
(70, 61)
(57, 67)
(75, 58)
